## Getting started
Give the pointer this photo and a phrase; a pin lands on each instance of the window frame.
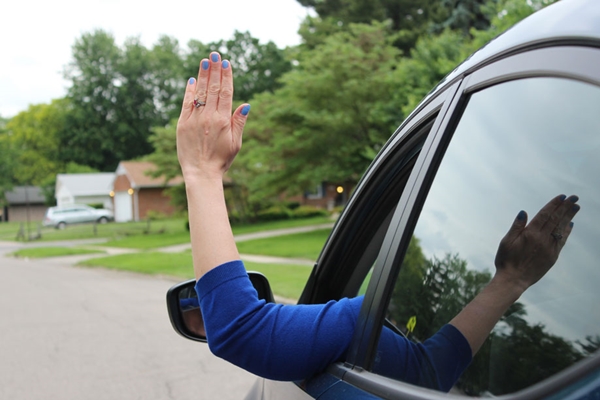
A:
(546, 61)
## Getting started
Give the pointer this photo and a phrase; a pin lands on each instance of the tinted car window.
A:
(517, 145)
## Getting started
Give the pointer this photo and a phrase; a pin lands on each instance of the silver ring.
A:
(557, 236)
(198, 103)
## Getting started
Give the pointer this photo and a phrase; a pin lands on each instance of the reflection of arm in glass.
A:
(296, 342)
(524, 256)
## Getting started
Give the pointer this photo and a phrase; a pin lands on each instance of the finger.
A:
(238, 121)
(540, 220)
(569, 208)
(567, 232)
(226, 93)
(214, 82)
(516, 228)
(202, 85)
(188, 99)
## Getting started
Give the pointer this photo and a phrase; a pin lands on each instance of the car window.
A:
(517, 145)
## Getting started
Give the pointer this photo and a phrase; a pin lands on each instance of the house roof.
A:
(136, 172)
(86, 184)
(24, 195)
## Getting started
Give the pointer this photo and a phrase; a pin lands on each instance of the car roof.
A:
(567, 21)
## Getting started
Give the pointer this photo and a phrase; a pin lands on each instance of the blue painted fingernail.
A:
(214, 57)
(191, 81)
(246, 109)
(521, 215)
(205, 64)
(573, 199)
(576, 207)
(225, 64)
(571, 224)
(562, 197)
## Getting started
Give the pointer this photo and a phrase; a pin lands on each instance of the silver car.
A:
(59, 217)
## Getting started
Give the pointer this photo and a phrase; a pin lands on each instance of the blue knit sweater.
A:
(294, 342)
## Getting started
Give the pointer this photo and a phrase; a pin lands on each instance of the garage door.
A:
(123, 208)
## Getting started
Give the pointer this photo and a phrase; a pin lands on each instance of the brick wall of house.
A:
(154, 199)
(121, 183)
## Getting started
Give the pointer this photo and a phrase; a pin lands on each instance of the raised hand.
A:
(208, 135)
(528, 251)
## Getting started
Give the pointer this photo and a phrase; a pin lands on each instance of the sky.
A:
(36, 36)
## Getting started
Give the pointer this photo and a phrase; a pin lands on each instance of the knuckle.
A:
(214, 89)
(226, 93)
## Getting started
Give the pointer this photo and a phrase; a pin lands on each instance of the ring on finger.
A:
(557, 235)
(198, 103)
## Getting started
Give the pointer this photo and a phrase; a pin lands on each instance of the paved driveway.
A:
(76, 333)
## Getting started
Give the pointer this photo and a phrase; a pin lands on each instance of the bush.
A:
(274, 213)
(309, 211)
(97, 206)
(156, 215)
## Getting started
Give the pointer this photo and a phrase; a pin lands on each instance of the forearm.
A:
(479, 317)
(210, 233)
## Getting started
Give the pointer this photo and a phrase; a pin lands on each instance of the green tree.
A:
(114, 97)
(329, 118)
(34, 136)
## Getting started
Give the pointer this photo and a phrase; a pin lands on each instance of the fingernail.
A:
(214, 57)
(205, 64)
(191, 81)
(576, 207)
(521, 215)
(225, 64)
(246, 109)
(573, 199)
(562, 197)
(571, 224)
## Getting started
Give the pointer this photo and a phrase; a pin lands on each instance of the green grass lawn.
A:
(173, 236)
(286, 280)
(299, 245)
(41, 252)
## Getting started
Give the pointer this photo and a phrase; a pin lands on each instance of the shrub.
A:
(309, 211)
(274, 213)
(156, 215)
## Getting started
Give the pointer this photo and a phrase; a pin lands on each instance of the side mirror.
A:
(184, 308)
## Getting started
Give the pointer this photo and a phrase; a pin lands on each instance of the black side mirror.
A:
(184, 309)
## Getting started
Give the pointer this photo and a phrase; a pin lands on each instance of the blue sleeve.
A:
(437, 363)
(264, 338)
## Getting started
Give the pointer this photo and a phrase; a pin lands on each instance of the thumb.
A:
(517, 227)
(238, 120)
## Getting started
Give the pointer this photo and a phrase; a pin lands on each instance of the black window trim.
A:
(543, 62)
(368, 325)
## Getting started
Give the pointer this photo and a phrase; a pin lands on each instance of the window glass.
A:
(516, 146)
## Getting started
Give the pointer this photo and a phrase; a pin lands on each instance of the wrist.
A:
(510, 288)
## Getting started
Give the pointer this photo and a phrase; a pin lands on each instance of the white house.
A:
(87, 188)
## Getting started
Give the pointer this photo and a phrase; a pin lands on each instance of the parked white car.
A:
(59, 217)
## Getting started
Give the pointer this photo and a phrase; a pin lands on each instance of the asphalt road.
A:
(76, 333)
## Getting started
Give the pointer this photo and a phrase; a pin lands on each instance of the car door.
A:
(520, 131)
(347, 261)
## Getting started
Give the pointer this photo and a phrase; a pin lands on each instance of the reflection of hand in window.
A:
(524, 256)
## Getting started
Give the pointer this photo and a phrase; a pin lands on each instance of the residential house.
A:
(84, 188)
(136, 193)
(24, 203)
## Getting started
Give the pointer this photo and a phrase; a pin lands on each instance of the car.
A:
(513, 126)
(59, 217)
